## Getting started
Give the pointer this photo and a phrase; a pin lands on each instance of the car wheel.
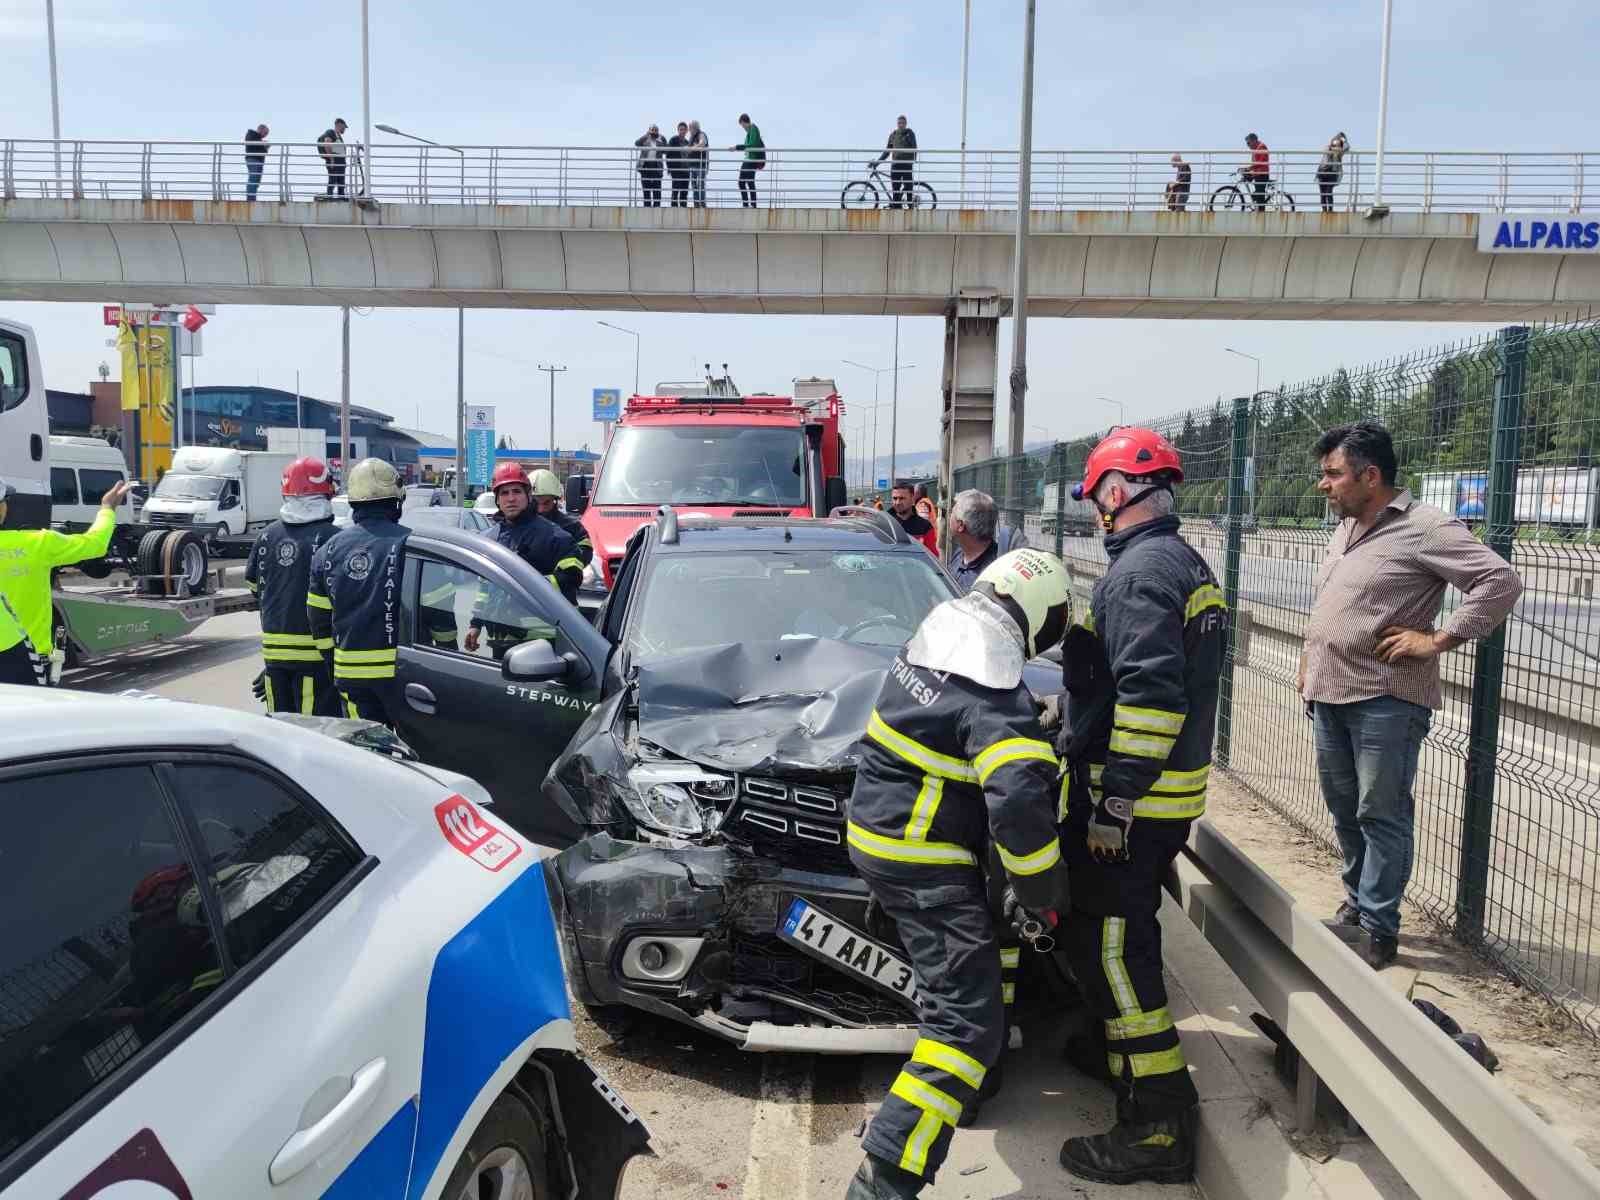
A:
(505, 1159)
(189, 561)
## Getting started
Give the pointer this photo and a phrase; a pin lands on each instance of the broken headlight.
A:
(677, 797)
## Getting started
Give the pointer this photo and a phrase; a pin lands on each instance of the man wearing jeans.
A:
(1369, 672)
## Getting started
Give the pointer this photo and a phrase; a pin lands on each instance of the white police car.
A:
(242, 959)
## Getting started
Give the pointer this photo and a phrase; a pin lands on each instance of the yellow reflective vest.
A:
(26, 557)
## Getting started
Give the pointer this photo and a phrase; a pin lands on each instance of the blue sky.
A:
(1134, 74)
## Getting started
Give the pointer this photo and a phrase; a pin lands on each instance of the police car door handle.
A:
(420, 698)
(308, 1145)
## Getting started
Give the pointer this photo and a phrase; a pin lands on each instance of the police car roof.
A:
(784, 533)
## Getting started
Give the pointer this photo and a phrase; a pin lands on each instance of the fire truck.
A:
(708, 450)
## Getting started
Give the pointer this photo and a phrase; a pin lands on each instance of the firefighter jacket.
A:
(353, 596)
(278, 573)
(570, 570)
(544, 546)
(1141, 671)
(947, 765)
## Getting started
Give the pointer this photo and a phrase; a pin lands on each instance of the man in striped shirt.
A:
(1369, 672)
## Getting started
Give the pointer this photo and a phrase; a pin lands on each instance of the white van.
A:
(82, 469)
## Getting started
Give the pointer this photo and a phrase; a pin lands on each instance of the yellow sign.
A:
(147, 379)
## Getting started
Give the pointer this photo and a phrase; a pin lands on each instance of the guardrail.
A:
(1446, 1124)
(790, 177)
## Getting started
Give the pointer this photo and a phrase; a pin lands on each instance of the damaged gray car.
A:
(712, 884)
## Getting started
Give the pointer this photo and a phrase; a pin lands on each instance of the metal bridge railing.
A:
(1503, 432)
(1064, 180)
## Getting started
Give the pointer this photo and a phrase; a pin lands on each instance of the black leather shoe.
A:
(877, 1180)
(1380, 951)
(1348, 914)
(1088, 1054)
(992, 1083)
(1157, 1152)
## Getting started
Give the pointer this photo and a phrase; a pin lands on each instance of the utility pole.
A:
(1379, 208)
(366, 104)
(966, 46)
(552, 370)
(55, 91)
(1019, 278)
(461, 407)
(344, 396)
(894, 405)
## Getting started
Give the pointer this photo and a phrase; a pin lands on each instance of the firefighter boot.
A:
(877, 1180)
(1157, 1151)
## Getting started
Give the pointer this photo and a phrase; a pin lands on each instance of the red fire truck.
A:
(707, 450)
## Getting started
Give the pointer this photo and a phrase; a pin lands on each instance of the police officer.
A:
(353, 594)
(296, 678)
(547, 498)
(1141, 674)
(26, 559)
(543, 545)
(953, 761)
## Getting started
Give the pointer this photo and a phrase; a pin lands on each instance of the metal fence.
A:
(789, 177)
(1504, 432)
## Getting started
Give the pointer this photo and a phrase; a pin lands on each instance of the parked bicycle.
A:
(875, 192)
(1241, 196)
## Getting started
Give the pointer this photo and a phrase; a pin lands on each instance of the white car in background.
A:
(241, 958)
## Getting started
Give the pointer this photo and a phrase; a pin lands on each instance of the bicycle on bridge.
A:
(875, 190)
(1250, 193)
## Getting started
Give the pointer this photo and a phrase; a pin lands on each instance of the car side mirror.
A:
(534, 662)
(834, 493)
(577, 494)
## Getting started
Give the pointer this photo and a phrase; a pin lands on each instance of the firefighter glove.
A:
(1110, 829)
(258, 687)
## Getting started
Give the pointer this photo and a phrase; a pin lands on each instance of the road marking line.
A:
(779, 1166)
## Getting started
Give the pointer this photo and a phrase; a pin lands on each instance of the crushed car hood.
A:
(763, 707)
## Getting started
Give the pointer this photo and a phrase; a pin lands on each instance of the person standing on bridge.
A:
(678, 165)
(755, 159)
(1259, 172)
(901, 150)
(1178, 189)
(27, 557)
(651, 148)
(1369, 672)
(1331, 169)
(255, 159)
(1142, 671)
(331, 146)
(698, 158)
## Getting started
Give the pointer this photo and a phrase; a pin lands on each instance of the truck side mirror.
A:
(577, 496)
(834, 493)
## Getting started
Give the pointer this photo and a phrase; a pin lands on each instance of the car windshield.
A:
(704, 464)
(189, 487)
(691, 601)
(433, 516)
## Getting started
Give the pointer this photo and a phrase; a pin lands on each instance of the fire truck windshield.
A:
(704, 464)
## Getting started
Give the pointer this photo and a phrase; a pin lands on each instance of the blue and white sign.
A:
(883, 483)
(480, 444)
(1538, 233)
(607, 404)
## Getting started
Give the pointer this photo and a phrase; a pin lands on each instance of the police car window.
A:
(460, 610)
(63, 485)
(270, 858)
(105, 944)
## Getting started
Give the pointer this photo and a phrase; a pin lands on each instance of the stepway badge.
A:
(1538, 233)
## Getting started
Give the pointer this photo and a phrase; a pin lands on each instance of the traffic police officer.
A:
(546, 490)
(26, 559)
(353, 594)
(296, 678)
(543, 545)
(953, 761)
(1141, 672)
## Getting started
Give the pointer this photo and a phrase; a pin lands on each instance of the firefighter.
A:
(542, 544)
(953, 761)
(353, 595)
(546, 490)
(296, 679)
(1141, 671)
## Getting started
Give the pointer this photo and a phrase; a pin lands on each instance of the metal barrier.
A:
(1505, 432)
(1071, 180)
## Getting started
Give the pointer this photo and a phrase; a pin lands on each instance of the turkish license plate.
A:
(823, 936)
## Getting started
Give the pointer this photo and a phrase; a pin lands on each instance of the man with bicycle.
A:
(901, 149)
(1260, 173)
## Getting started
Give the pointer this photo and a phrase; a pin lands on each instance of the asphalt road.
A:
(726, 1123)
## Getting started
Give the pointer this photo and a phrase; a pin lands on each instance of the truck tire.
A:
(184, 560)
(147, 563)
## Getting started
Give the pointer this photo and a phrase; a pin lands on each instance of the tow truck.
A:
(166, 588)
(708, 450)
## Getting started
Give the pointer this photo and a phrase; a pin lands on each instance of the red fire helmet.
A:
(506, 474)
(1137, 453)
(307, 477)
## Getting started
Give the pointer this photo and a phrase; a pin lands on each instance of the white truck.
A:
(227, 496)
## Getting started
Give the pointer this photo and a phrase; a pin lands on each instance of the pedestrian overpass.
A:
(565, 227)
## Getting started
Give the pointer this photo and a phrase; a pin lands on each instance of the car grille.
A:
(171, 520)
(627, 512)
(768, 964)
(800, 825)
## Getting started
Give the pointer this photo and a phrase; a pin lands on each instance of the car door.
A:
(462, 711)
(178, 982)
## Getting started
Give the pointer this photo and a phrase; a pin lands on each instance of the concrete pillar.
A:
(971, 366)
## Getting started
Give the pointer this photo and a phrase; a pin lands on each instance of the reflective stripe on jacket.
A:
(279, 573)
(353, 597)
(947, 766)
(1142, 670)
(26, 558)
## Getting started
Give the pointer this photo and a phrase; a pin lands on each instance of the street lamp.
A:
(637, 342)
(1122, 409)
(440, 145)
(877, 373)
(1255, 399)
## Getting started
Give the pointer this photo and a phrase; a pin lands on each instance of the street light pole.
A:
(1122, 409)
(344, 394)
(1255, 423)
(55, 91)
(877, 374)
(966, 46)
(1019, 277)
(461, 407)
(440, 145)
(552, 370)
(366, 103)
(1379, 208)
